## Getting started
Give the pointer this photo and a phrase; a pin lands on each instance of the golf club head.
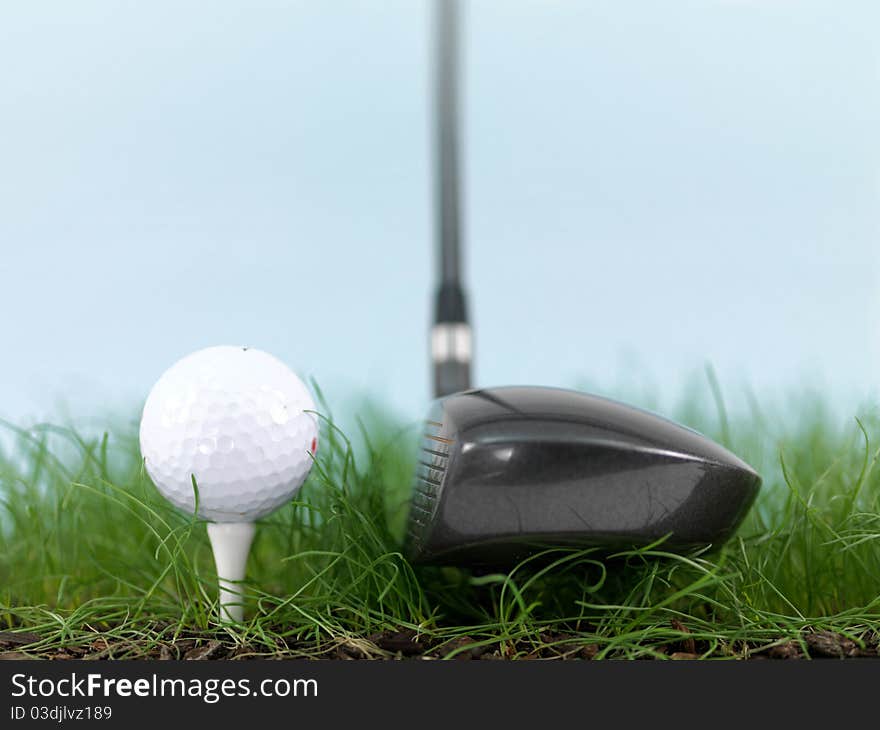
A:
(504, 472)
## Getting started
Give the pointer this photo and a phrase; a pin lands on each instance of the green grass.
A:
(92, 558)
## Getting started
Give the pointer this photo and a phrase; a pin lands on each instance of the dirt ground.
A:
(407, 645)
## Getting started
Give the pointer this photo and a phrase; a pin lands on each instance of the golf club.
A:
(504, 472)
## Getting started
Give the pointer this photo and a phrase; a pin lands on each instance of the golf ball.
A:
(236, 420)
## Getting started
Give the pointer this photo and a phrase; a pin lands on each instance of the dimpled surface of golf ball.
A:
(235, 419)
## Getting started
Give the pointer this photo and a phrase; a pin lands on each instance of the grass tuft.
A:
(93, 562)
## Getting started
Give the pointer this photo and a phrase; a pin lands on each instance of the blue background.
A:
(650, 186)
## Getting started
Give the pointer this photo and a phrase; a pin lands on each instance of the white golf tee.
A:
(231, 542)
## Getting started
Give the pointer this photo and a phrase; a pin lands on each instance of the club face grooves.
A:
(431, 468)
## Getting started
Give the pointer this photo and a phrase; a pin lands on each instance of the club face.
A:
(504, 472)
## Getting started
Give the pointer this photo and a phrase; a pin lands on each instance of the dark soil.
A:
(407, 644)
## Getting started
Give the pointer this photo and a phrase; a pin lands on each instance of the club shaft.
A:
(451, 335)
(446, 115)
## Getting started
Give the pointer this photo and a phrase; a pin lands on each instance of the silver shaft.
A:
(451, 338)
(446, 151)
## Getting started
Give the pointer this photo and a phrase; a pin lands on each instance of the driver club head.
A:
(505, 472)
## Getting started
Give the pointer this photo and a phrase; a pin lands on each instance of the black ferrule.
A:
(450, 304)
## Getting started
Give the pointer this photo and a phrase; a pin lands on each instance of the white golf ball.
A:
(235, 419)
